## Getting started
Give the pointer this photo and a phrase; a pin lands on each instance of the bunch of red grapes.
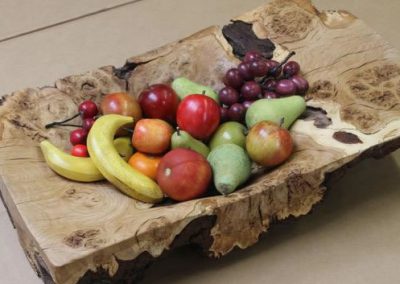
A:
(88, 111)
(257, 77)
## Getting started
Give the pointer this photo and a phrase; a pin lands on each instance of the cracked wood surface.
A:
(82, 243)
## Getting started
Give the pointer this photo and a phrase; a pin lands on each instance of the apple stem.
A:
(61, 122)
(178, 131)
(69, 124)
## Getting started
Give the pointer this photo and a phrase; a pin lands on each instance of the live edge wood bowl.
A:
(79, 233)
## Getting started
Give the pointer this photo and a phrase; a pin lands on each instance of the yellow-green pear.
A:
(184, 87)
(287, 109)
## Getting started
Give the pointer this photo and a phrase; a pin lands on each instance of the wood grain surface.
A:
(73, 230)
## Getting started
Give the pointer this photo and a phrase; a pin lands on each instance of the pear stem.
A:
(283, 61)
(61, 122)
(128, 129)
(204, 92)
(273, 70)
(282, 121)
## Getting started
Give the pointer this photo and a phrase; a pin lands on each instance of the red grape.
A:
(291, 68)
(244, 70)
(87, 123)
(273, 69)
(233, 78)
(251, 91)
(79, 150)
(88, 109)
(270, 85)
(228, 96)
(236, 112)
(247, 104)
(78, 136)
(301, 84)
(252, 55)
(285, 87)
(259, 68)
(224, 114)
(270, 95)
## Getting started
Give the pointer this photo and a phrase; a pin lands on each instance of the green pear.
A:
(230, 132)
(182, 139)
(288, 109)
(231, 167)
(124, 147)
(184, 87)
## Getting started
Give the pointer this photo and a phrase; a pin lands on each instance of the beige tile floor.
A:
(352, 237)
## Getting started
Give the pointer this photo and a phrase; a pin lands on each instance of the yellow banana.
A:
(112, 166)
(68, 166)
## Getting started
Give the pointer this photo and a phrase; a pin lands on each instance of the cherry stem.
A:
(61, 122)
(68, 124)
(178, 131)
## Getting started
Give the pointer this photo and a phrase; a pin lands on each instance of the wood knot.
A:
(85, 198)
(294, 24)
(361, 117)
(3, 99)
(321, 89)
(70, 192)
(88, 86)
(84, 238)
(374, 86)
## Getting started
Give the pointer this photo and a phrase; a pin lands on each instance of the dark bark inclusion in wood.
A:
(318, 115)
(346, 137)
(241, 37)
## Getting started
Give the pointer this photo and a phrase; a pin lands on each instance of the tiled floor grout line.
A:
(100, 11)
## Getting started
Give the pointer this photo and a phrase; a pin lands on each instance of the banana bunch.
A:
(79, 168)
(112, 166)
(107, 160)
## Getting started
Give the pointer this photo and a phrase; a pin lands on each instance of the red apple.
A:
(199, 115)
(121, 103)
(159, 101)
(184, 174)
(152, 136)
(268, 144)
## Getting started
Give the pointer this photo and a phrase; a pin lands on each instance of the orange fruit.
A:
(145, 163)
